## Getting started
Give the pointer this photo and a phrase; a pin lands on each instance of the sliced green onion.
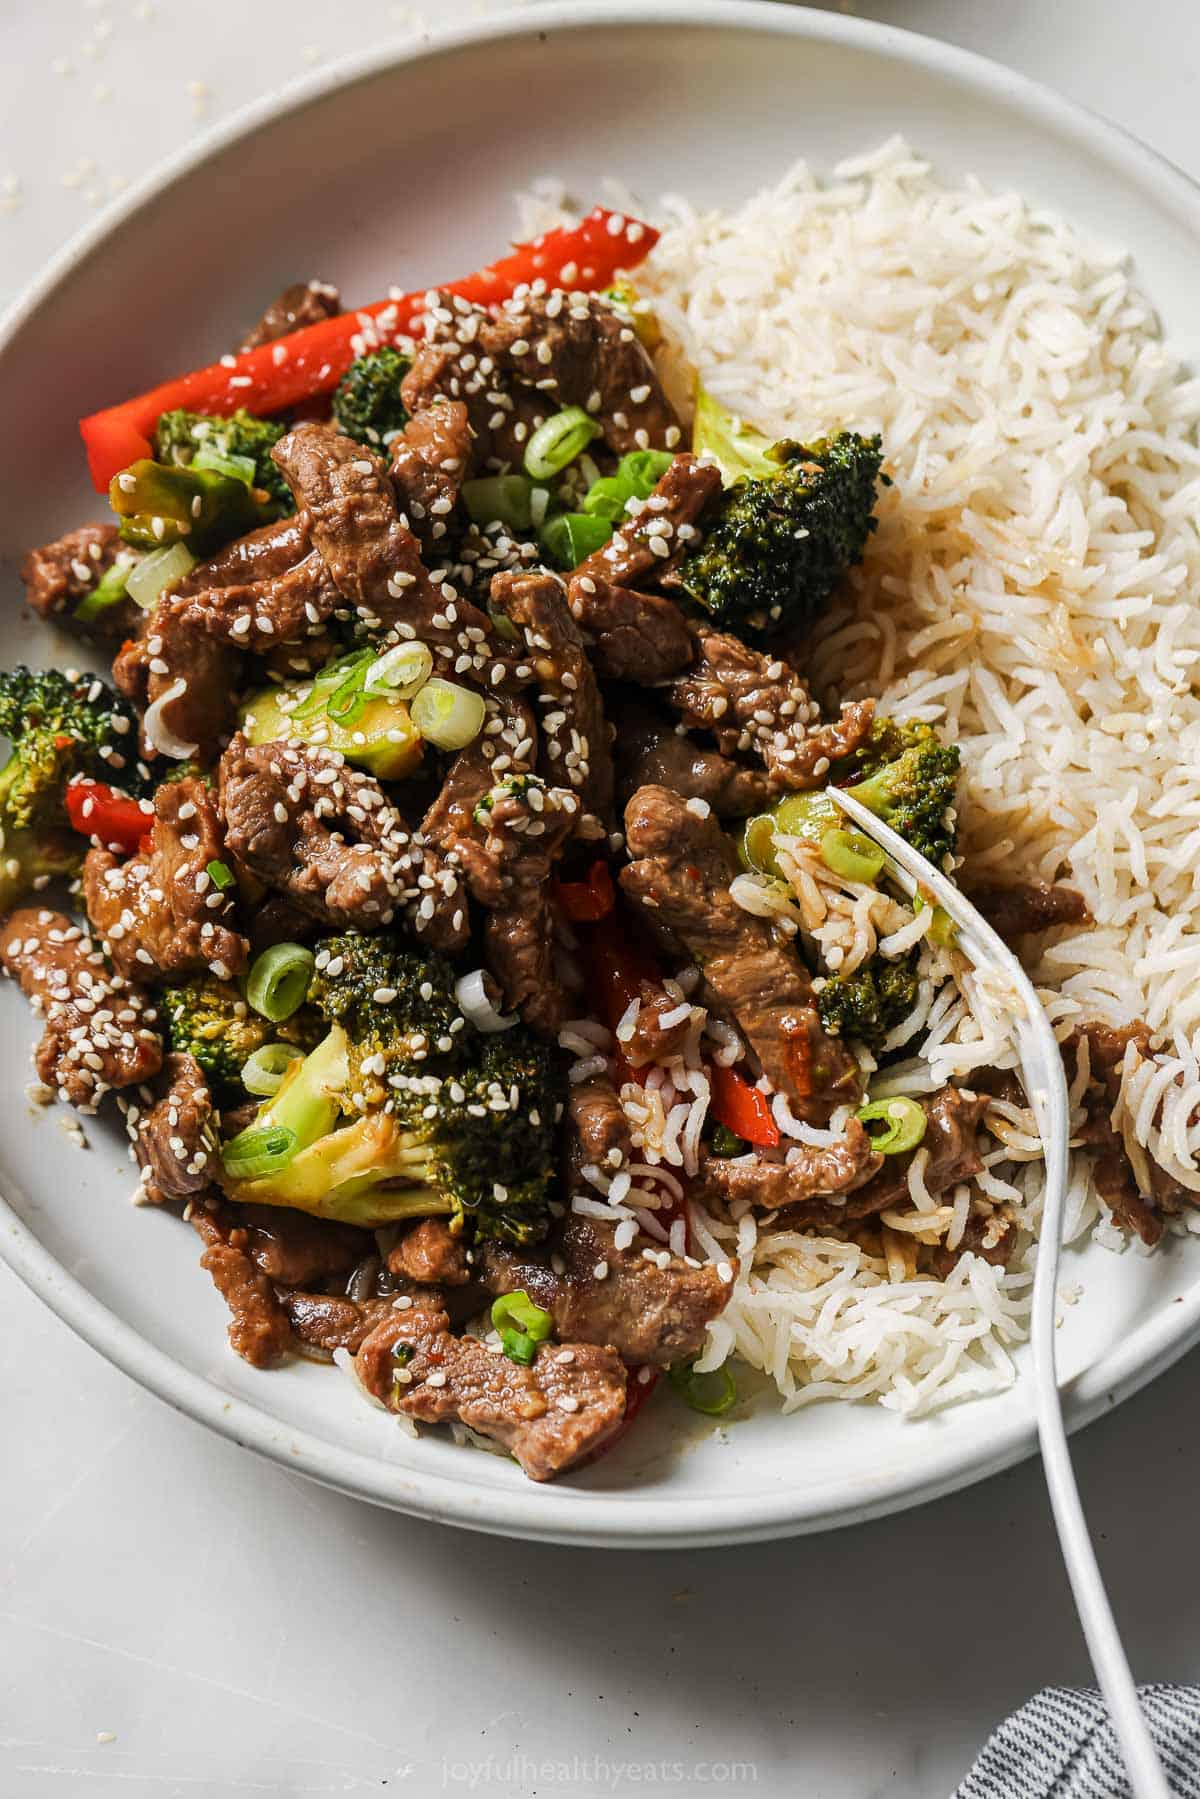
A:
(499, 499)
(558, 441)
(643, 470)
(727, 1143)
(278, 982)
(448, 715)
(522, 1326)
(852, 856)
(220, 874)
(607, 497)
(757, 848)
(943, 931)
(109, 590)
(569, 537)
(262, 1149)
(263, 1072)
(156, 572)
(518, 1347)
(712, 1393)
(539, 506)
(903, 1121)
(344, 675)
(238, 468)
(517, 1309)
(400, 673)
(347, 703)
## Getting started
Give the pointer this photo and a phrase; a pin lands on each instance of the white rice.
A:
(1031, 589)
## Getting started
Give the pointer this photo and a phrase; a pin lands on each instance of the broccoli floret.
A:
(239, 445)
(915, 794)
(159, 503)
(396, 1006)
(780, 539)
(870, 1002)
(367, 404)
(488, 1149)
(209, 1019)
(60, 725)
(405, 1109)
(902, 772)
(372, 730)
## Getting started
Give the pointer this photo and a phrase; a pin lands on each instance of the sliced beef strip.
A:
(1107, 1045)
(98, 1031)
(450, 824)
(303, 303)
(176, 655)
(636, 636)
(1117, 1185)
(59, 575)
(649, 1039)
(154, 912)
(297, 1250)
(326, 837)
(430, 1254)
(502, 419)
(573, 732)
(993, 1237)
(375, 559)
(518, 936)
(632, 636)
(577, 351)
(507, 862)
(329, 1321)
(952, 1119)
(651, 752)
(753, 703)
(620, 1297)
(808, 1172)
(259, 1327)
(1014, 909)
(276, 920)
(600, 1126)
(680, 873)
(258, 556)
(429, 463)
(1113, 1173)
(265, 590)
(658, 530)
(175, 1141)
(550, 1415)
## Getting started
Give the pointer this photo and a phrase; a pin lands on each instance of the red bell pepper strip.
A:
(620, 969)
(96, 810)
(312, 361)
(741, 1108)
(637, 1392)
(587, 902)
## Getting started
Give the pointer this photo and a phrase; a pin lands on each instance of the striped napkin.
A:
(1060, 1745)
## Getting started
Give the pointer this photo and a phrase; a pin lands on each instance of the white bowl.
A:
(398, 168)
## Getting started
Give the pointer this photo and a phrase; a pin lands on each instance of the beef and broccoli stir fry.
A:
(420, 861)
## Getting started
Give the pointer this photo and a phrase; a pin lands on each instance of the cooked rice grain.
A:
(1030, 588)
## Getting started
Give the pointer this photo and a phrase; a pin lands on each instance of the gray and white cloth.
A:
(1060, 1745)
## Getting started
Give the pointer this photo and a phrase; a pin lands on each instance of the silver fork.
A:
(1044, 1081)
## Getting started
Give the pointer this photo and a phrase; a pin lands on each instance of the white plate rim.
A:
(562, 1514)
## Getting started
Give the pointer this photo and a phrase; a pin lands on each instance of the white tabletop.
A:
(232, 1629)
